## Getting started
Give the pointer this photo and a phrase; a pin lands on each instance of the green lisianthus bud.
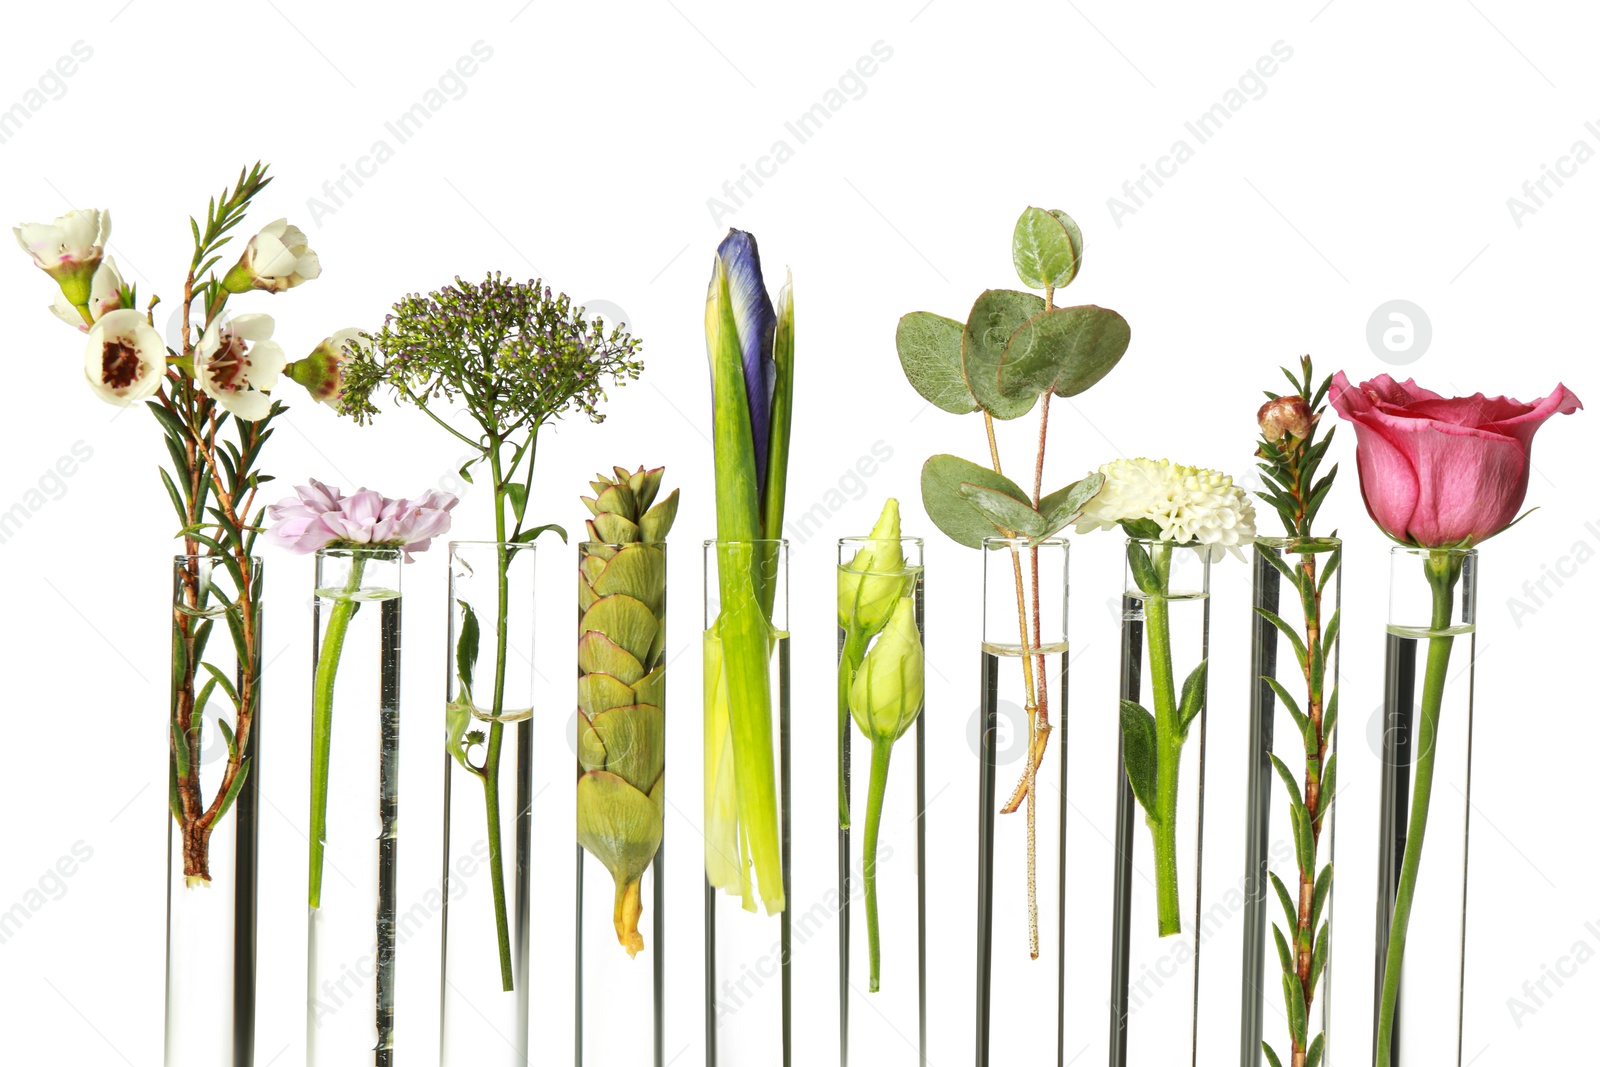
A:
(887, 692)
(876, 577)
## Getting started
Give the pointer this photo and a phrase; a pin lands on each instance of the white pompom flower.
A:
(1188, 505)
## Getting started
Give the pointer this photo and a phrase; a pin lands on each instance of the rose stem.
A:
(1442, 576)
(339, 617)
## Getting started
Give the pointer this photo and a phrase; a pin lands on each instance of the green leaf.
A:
(1066, 350)
(467, 646)
(1289, 914)
(1287, 631)
(529, 535)
(1285, 957)
(223, 681)
(233, 790)
(180, 749)
(1319, 893)
(1272, 1057)
(1143, 571)
(1046, 248)
(1290, 705)
(519, 499)
(1330, 635)
(1319, 958)
(951, 511)
(930, 355)
(1139, 753)
(1314, 1053)
(466, 469)
(1304, 843)
(996, 315)
(1062, 507)
(1329, 780)
(1295, 1000)
(227, 736)
(1288, 778)
(1194, 697)
(1005, 511)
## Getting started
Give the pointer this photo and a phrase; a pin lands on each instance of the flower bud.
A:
(322, 372)
(276, 259)
(887, 692)
(876, 577)
(1287, 415)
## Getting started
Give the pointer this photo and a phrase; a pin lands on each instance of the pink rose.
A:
(1439, 471)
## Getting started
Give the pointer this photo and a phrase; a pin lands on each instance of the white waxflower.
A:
(68, 249)
(276, 259)
(238, 363)
(105, 294)
(125, 357)
(1189, 505)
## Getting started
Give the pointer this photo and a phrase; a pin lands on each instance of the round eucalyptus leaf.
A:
(996, 315)
(1004, 510)
(1046, 248)
(951, 510)
(1066, 350)
(930, 354)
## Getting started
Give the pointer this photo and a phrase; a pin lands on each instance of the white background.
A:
(1376, 164)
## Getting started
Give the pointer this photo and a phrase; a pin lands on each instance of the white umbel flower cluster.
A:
(1190, 505)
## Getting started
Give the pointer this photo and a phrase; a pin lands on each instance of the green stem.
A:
(491, 758)
(1442, 573)
(869, 852)
(855, 649)
(343, 610)
(1169, 745)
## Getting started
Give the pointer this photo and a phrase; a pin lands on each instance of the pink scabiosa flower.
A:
(68, 249)
(1442, 471)
(319, 516)
(322, 372)
(238, 363)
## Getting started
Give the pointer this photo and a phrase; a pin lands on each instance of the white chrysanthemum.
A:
(1190, 505)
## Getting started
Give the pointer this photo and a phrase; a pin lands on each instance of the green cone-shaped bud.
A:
(622, 601)
(876, 577)
(887, 692)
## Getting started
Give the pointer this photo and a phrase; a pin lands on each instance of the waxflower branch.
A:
(517, 355)
(1015, 350)
(224, 375)
(1289, 457)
